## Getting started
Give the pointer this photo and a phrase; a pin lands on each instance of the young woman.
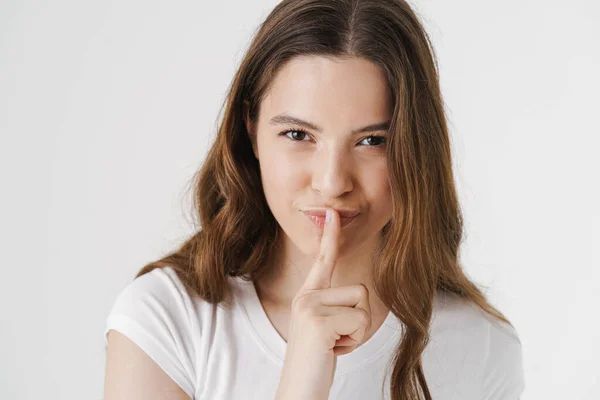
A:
(335, 110)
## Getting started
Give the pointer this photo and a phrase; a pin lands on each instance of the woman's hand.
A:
(325, 322)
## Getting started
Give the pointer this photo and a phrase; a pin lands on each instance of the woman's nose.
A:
(331, 173)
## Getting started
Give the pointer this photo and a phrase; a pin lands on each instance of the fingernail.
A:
(327, 216)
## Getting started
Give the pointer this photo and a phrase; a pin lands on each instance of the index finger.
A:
(319, 277)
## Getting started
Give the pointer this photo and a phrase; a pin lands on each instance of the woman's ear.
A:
(250, 127)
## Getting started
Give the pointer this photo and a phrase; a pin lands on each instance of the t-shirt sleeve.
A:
(155, 312)
(503, 377)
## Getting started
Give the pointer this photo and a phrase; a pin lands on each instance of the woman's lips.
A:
(320, 220)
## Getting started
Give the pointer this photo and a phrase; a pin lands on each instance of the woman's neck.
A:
(290, 267)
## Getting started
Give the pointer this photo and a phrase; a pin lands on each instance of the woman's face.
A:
(325, 165)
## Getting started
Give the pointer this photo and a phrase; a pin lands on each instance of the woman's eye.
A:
(379, 140)
(297, 135)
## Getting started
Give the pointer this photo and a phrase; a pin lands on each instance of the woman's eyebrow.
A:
(285, 119)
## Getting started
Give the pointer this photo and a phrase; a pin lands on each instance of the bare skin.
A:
(329, 165)
(325, 322)
(279, 312)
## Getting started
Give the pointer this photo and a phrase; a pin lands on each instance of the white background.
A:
(108, 107)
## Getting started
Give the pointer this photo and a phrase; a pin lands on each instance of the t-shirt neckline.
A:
(383, 339)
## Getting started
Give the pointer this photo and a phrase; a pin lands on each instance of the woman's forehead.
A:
(349, 91)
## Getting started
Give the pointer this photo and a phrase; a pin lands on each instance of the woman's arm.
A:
(131, 374)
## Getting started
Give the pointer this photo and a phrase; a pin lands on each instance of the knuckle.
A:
(365, 318)
(362, 290)
(302, 303)
(298, 303)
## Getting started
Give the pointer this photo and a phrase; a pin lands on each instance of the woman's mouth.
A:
(319, 220)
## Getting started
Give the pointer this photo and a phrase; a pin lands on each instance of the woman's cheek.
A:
(286, 168)
(278, 174)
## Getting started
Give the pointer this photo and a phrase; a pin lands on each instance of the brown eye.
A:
(295, 135)
(375, 141)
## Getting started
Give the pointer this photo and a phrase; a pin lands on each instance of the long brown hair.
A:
(419, 250)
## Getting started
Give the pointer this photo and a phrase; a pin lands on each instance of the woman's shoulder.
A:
(158, 314)
(463, 326)
(454, 315)
(173, 325)
(452, 312)
(161, 294)
(159, 285)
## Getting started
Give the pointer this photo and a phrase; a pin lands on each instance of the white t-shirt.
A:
(234, 353)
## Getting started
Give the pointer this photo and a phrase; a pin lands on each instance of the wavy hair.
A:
(419, 247)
